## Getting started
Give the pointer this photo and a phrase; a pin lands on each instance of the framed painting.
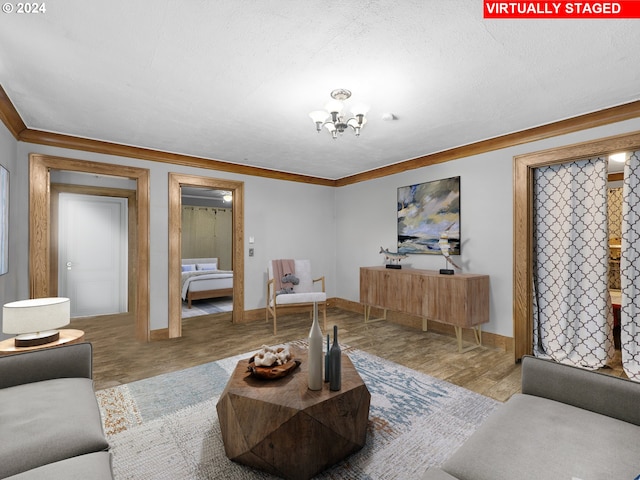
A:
(4, 220)
(427, 213)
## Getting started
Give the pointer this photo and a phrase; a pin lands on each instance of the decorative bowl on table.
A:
(271, 363)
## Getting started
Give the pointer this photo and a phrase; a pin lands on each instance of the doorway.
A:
(236, 189)
(524, 167)
(42, 261)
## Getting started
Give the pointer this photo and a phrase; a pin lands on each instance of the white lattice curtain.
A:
(573, 319)
(630, 269)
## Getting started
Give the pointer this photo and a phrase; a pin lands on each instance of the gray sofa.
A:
(50, 424)
(568, 423)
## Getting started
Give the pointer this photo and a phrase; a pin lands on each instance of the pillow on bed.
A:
(206, 266)
(188, 268)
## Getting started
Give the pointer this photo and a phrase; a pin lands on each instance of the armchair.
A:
(304, 294)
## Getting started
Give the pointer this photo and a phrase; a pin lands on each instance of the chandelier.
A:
(333, 118)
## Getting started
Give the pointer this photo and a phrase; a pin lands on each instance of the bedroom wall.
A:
(366, 219)
(9, 281)
(286, 219)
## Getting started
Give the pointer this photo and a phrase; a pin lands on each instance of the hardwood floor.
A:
(119, 358)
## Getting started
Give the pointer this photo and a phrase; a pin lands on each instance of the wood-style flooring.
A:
(119, 358)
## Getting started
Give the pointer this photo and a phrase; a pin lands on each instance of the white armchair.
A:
(304, 293)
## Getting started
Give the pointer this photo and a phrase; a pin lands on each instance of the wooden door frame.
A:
(524, 166)
(176, 182)
(132, 214)
(40, 227)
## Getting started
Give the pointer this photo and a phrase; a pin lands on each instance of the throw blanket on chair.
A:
(280, 269)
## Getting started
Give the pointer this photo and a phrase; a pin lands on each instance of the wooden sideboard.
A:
(461, 300)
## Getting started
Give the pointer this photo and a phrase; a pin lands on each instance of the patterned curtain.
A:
(573, 319)
(630, 269)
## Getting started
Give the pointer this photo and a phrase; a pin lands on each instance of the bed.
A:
(202, 279)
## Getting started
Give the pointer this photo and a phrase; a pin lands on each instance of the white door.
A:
(92, 253)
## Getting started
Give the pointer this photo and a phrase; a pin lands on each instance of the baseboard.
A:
(160, 334)
(489, 339)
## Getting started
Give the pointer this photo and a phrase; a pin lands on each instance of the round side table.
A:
(67, 336)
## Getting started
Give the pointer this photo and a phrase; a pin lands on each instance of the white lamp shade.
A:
(319, 116)
(360, 109)
(334, 106)
(35, 315)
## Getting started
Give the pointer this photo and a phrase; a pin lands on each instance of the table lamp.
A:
(35, 320)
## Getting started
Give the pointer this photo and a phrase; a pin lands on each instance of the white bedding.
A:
(203, 280)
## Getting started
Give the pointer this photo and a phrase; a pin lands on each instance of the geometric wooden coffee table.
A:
(282, 427)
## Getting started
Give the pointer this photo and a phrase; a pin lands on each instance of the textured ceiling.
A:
(235, 80)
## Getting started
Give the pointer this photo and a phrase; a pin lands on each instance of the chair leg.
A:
(324, 315)
(275, 327)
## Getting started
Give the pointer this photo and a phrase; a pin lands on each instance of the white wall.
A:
(366, 219)
(339, 229)
(287, 220)
(9, 281)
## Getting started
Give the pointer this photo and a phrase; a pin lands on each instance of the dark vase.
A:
(335, 363)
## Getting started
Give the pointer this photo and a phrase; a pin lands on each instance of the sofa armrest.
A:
(612, 396)
(66, 361)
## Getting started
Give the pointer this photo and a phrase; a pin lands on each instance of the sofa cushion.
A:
(48, 421)
(582, 388)
(94, 466)
(530, 438)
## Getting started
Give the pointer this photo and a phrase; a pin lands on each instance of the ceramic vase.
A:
(315, 359)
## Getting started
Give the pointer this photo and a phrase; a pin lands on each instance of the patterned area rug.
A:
(207, 307)
(166, 427)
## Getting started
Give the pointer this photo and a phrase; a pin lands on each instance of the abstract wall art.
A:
(428, 212)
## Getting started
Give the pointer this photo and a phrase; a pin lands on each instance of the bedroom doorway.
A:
(206, 251)
(197, 186)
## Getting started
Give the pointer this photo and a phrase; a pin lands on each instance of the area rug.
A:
(207, 307)
(166, 427)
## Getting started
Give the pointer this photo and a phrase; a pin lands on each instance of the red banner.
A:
(562, 9)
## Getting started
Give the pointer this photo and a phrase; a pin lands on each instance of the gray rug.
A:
(166, 427)
(207, 307)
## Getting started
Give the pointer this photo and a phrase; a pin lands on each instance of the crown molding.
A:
(599, 118)
(98, 146)
(11, 118)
